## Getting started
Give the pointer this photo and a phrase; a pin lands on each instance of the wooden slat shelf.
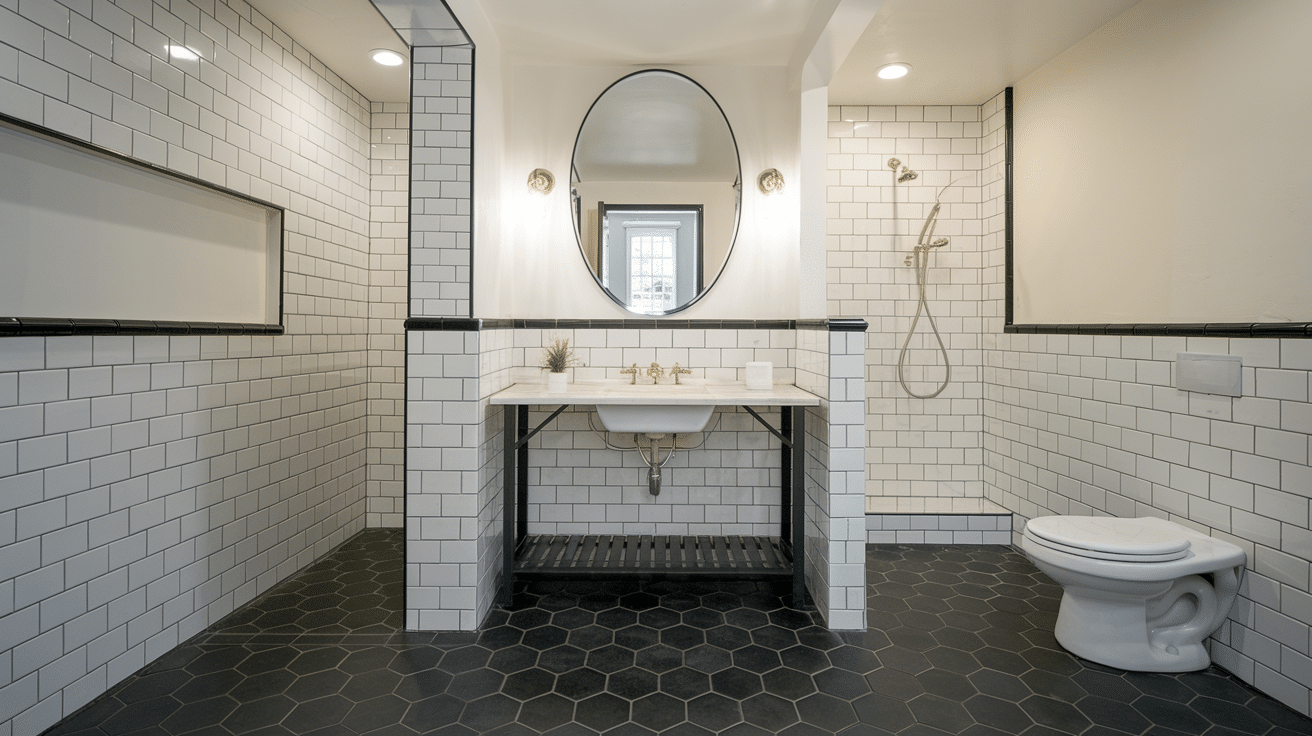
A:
(598, 555)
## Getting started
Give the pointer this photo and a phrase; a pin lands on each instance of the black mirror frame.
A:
(577, 215)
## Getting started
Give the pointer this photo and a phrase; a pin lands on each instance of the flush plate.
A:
(1209, 374)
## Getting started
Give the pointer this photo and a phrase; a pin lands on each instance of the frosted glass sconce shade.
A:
(541, 181)
(770, 181)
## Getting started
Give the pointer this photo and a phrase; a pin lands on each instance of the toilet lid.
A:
(1107, 538)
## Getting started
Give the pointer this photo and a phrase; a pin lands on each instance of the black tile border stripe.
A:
(848, 325)
(1209, 329)
(60, 326)
(467, 324)
(940, 513)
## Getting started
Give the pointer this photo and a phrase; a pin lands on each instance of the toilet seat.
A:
(1145, 540)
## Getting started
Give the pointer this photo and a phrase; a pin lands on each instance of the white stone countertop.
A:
(614, 392)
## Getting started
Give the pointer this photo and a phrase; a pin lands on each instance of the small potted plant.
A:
(556, 357)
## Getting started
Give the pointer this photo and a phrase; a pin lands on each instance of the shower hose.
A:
(920, 260)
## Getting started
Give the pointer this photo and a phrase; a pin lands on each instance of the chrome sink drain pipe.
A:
(654, 463)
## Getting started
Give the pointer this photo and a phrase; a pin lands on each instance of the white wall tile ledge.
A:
(929, 520)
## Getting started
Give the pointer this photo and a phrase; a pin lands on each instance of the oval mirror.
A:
(655, 189)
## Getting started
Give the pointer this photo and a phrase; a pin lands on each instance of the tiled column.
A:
(446, 514)
(442, 481)
(442, 126)
(844, 503)
(831, 364)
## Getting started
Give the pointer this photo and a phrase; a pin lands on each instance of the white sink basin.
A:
(655, 418)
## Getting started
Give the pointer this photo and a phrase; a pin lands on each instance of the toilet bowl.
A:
(1138, 594)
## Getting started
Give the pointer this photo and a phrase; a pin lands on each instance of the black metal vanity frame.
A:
(646, 556)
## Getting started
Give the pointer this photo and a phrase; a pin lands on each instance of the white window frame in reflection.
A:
(653, 265)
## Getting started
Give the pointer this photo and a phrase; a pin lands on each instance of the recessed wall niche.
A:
(90, 234)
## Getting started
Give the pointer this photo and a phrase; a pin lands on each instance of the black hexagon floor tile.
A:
(960, 642)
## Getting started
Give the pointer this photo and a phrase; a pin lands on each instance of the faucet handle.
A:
(632, 372)
(676, 370)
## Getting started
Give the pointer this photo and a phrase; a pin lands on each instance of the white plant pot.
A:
(557, 382)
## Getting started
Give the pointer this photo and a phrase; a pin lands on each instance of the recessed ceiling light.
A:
(387, 57)
(893, 71)
(184, 53)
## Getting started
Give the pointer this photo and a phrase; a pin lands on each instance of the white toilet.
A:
(1135, 592)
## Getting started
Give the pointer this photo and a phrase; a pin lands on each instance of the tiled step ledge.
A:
(919, 520)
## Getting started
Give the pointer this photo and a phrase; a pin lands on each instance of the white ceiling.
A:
(961, 51)
(341, 33)
(674, 32)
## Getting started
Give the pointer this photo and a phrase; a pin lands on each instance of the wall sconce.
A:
(541, 181)
(770, 181)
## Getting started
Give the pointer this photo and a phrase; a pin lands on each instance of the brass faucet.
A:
(676, 370)
(655, 371)
(631, 372)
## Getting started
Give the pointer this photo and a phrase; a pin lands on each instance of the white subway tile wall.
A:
(916, 447)
(150, 485)
(442, 117)
(389, 238)
(1082, 424)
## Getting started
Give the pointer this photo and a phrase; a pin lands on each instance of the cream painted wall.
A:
(1161, 171)
(489, 177)
(490, 187)
(537, 260)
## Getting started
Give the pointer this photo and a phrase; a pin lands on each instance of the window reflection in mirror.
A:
(650, 257)
(656, 139)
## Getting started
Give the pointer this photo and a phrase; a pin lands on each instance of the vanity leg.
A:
(798, 522)
(509, 476)
(521, 503)
(786, 475)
